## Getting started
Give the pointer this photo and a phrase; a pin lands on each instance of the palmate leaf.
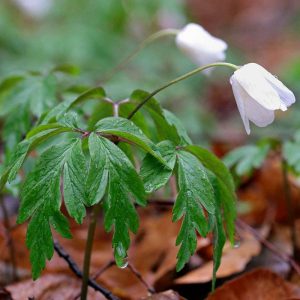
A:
(41, 199)
(34, 91)
(112, 166)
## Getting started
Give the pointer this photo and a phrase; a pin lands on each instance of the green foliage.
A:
(247, 158)
(205, 184)
(41, 203)
(153, 172)
(195, 194)
(123, 183)
(165, 129)
(291, 153)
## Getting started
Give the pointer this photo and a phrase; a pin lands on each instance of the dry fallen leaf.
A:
(260, 284)
(233, 261)
(58, 287)
(167, 295)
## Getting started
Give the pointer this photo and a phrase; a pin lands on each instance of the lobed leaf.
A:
(40, 201)
(116, 171)
(195, 194)
(129, 131)
(154, 174)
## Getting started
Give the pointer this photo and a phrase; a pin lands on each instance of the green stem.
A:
(141, 46)
(88, 250)
(178, 79)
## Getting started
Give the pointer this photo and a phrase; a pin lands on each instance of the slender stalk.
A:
(178, 79)
(289, 206)
(139, 48)
(88, 250)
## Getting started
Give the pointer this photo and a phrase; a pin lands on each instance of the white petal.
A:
(256, 113)
(287, 96)
(253, 81)
(199, 45)
(238, 95)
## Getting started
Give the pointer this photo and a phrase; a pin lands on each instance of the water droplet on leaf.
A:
(237, 242)
(124, 263)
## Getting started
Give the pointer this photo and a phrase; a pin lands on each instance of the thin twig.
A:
(88, 250)
(104, 268)
(285, 257)
(139, 276)
(134, 271)
(74, 267)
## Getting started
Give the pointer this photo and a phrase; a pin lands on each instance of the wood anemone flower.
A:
(200, 46)
(258, 94)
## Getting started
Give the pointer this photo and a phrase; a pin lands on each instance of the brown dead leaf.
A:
(167, 295)
(233, 261)
(260, 284)
(58, 287)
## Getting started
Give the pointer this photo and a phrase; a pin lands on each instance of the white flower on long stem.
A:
(258, 94)
(200, 46)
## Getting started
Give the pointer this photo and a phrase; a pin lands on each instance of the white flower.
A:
(200, 46)
(35, 8)
(258, 93)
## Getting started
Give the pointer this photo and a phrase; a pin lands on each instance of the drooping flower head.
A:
(258, 94)
(200, 46)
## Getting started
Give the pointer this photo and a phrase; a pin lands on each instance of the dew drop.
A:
(124, 263)
(237, 242)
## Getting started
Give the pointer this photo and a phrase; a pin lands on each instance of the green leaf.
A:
(214, 164)
(154, 173)
(67, 69)
(291, 153)
(74, 177)
(123, 183)
(41, 201)
(129, 131)
(44, 127)
(24, 148)
(96, 181)
(59, 110)
(35, 91)
(247, 158)
(165, 130)
(16, 125)
(9, 82)
(219, 240)
(94, 93)
(18, 159)
(223, 185)
(195, 193)
(174, 121)
(139, 119)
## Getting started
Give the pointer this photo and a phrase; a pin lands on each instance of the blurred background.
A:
(97, 35)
